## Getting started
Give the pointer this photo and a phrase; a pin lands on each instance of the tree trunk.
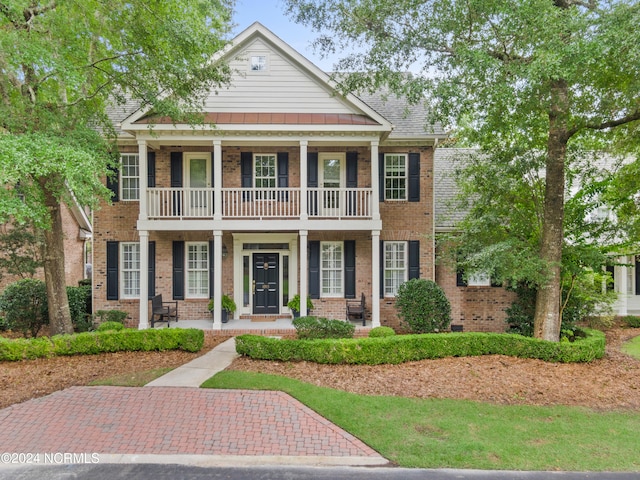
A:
(547, 320)
(54, 275)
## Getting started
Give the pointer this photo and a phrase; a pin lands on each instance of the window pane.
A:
(198, 270)
(130, 177)
(331, 269)
(395, 177)
(395, 266)
(130, 265)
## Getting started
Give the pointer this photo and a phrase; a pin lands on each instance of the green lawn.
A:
(632, 347)
(462, 434)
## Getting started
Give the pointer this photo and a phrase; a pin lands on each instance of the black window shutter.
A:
(349, 269)
(414, 177)
(381, 269)
(314, 269)
(283, 169)
(246, 169)
(352, 170)
(151, 169)
(113, 183)
(112, 270)
(414, 259)
(381, 176)
(637, 275)
(210, 268)
(152, 269)
(312, 182)
(178, 270)
(176, 169)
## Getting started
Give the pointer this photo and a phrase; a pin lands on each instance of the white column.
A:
(303, 180)
(375, 189)
(217, 180)
(217, 280)
(375, 277)
(304, 273)
(143, 322)
(142, 182)
(623, 286)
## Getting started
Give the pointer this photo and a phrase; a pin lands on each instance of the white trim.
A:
(200, 295)
(122, 177)
(405, 268)
(332, 294)
(122, 270)
(405, 177)
(143, 321)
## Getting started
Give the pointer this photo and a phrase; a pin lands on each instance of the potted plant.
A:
(228, 306)
(294, 305)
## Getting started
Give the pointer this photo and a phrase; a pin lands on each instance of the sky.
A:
(270, 13)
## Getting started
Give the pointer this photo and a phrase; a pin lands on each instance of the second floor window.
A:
(395, 176)
(130, 269)
(265, 177)
(130, 177)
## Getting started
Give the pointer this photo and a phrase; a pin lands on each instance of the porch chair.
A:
(355, 309)
(163, 310)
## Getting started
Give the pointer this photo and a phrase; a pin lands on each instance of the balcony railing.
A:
(254, 203)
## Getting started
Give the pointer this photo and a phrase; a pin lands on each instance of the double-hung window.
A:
(395, 176)
(265, 176)
(130, 177)
(130, 269)
(395, 267)
(197, 269)
(331, 269)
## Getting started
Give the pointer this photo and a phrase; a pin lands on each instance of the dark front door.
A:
(265, 280)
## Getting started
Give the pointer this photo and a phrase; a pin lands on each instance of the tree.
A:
(21, 251)
(523, 75)
(62, 63)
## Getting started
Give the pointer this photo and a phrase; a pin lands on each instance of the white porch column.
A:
(217, 180)
(375, 189)
(217, 280)
(623, 287)
(303, 180)
(142, 165)
(143, 323)
(304, 273)
(375, 276)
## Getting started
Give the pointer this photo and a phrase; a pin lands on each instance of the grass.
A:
(432, 433)
(632, 347)
(135, 379)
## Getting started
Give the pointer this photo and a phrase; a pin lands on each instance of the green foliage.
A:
(314, 328)
(21, 248)
(377, 332)
(110, 316)
(228, 304)
(423, 306)
(405, 348)
(24, 304)
(109, 326)
(80, 307)
(294, 303)
(112, 340)
(632, 321)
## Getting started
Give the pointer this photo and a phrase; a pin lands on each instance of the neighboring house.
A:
(77, 247)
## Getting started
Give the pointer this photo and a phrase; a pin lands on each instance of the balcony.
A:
(259, 204)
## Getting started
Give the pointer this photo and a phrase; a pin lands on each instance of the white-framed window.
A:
(395, 176)
(130, 177)
(396, 266)
(197, 269)
(130, 269)
(265, 175)
(479, 279)
(258, 63)
(331, 269)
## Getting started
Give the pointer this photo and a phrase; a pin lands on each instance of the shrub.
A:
(80, 307)
(110, 316)
(377, 332)
(405, 348)
(423, 306)
(25, 306)
(313, 327)
(105, 326)
(631, 321)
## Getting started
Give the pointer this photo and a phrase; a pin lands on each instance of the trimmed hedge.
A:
(405, 348)
(89, 343)
(310, 328)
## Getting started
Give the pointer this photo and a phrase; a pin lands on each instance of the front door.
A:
(198, 181)
(266, 296)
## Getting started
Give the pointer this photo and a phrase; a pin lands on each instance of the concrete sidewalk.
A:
(194, 373)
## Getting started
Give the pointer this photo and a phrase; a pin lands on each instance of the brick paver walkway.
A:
(171, 420)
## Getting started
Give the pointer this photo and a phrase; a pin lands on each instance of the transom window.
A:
(197, 270)
(130, 269)
(331, 269)
(265, 177)
(395, 176)
(130, 177)
(395, 267)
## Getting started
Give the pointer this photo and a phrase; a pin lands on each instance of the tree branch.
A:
(632, 117)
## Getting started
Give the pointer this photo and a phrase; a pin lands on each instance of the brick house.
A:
(293, 189)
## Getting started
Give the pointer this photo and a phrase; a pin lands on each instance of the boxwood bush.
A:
(313, 327)
(376, 332)
(404, 348)
(87, 343)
